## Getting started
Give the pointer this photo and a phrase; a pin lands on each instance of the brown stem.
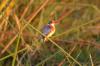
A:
(64, 14)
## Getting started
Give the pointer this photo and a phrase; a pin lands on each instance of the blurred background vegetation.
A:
(76, 41)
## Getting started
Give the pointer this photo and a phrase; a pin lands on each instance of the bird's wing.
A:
(46, 30)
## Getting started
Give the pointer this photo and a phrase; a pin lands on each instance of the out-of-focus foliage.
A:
(76, 41)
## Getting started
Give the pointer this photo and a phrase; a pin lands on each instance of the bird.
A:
(48, 30)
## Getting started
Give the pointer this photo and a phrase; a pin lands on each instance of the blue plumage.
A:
(46, 29)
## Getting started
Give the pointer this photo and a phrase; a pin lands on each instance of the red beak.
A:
(55, 22)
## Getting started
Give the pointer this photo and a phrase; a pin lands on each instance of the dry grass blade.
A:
(8, 45)
(61, 63)
(64, 14)
(7, 13)
(26, 9)
(3, 38)
(16, 51)
(2, 45)
(10, 8)
(1, 24)
(71, 51)
(48, 58)
(92, 64)
(4, 23)
(12, 54)
(17, 21)
(33, 15)
(3, 4)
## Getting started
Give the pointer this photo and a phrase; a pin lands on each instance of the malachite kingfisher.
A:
(49, 29)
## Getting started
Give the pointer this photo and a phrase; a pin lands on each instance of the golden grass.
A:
(76, 41)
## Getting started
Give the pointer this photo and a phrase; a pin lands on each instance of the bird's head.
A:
(52, 22)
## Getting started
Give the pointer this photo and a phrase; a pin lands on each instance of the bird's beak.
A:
(55, 22)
